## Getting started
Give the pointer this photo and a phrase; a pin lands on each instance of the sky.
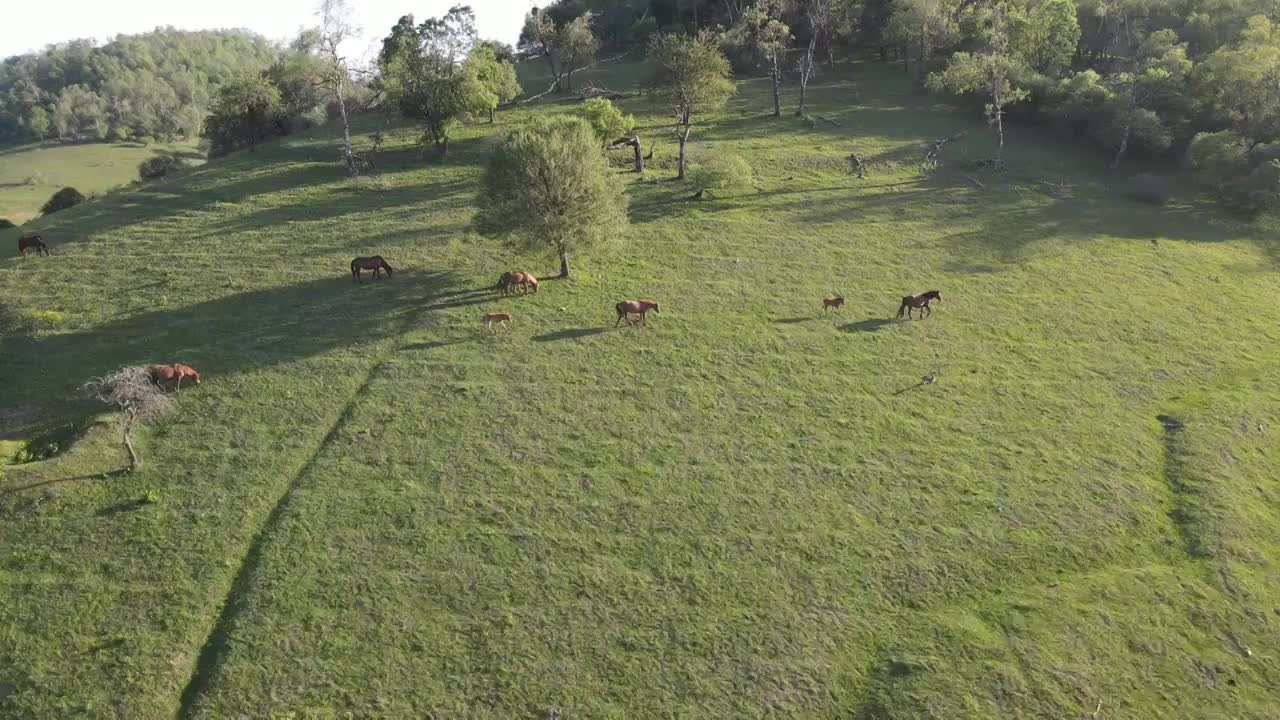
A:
(31, 25)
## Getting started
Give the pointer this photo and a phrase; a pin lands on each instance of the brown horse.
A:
(173, 372)
(27, 242)
(374, 263)
(627, 308)
(835, 302)
(920, 301)
(492, 319)
(509, 280)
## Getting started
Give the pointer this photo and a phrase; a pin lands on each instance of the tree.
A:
(132, 391)
(242, 113)
(577, 47)
(1045, 34)
(39, 122)
(425, 75)
(65, 198)
(690, 76)
(548, 184)
(335, 27)
(540, 32)
(606, 120)
(989, 73)
(498, 77)
(1239, 86)
(817, 15)
(924, 24)
(761, 32)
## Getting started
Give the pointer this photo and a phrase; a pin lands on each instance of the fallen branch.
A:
(828, 120)
(975, 181)
(934, 155)
(556, 82)
(855, 164)
(634, 143)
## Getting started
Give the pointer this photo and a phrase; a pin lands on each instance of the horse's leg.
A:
(619, 320)
(178, 388)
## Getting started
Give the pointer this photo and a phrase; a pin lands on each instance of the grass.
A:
(372, 508)
(30, 174)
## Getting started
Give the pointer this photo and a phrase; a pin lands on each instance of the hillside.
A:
(29, 174)
(371, 507)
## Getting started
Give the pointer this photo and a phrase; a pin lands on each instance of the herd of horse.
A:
(633, 312)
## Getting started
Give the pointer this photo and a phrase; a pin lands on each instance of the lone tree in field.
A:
(548, 184)
(989, 72)
(817, 15)
(690, 76)
(132, 391)
(760, 28)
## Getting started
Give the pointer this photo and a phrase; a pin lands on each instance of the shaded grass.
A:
(372, 507)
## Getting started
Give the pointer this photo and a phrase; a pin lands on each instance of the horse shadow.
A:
(792, 320)
(868, 325)
(569, 334)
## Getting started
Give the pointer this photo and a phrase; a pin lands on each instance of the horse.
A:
(27, 242)
(375, 263)
(505, 283)
(529, 282)
(161, 374)
(920, 301)
(627, 308)
(834, 302)
(492, 319)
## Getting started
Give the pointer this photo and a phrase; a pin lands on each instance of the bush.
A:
(1257, 192)
(5, 224)
(722, 172)
(1150, 189)
(61, 200)
(1217, 157)
(159, 166)
(608, 122)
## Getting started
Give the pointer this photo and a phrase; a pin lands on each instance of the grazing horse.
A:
(627, 308)
(505, 283)
(375, 263)
(174, 372)
(492, 319)
(920, 301)
(834, 302)
(529, 282)
(27, 242)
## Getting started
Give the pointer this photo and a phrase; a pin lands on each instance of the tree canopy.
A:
(548, 185)
(690, 77)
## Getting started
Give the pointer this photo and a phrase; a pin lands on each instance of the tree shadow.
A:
(432, 345)
(570, 334)
(231, 334)
(121, 507)
(118, 472)
(868, 325)
(793, 320)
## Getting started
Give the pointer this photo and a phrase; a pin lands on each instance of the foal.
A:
(920, 301)
(493, 319)
(26, 242)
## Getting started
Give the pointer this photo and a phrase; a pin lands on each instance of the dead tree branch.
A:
(131, 390)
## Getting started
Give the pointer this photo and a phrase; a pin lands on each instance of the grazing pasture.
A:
(370, 506)
(29, 174)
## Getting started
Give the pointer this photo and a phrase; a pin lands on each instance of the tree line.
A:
(154, 85)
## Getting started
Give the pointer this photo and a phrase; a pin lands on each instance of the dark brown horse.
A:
(835, 302)
(174, 373)
(920, 302)
(27, 242)
(627, 308)
(374, 263)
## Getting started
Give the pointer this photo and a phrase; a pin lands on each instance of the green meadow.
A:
(373, 508)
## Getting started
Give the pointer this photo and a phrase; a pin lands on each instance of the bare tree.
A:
(336, 27)
(818, 15)
(131, 390)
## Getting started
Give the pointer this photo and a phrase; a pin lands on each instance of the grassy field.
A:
(29, 174)
(371, 508)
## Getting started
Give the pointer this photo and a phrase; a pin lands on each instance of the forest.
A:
(156, 85)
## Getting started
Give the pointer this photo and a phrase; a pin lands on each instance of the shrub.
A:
(608, 122)
(722, 172)
(159, 166)
(5, 224)
(1257, 192)
(1151, 189)
(61, 200)
(1216, 157)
